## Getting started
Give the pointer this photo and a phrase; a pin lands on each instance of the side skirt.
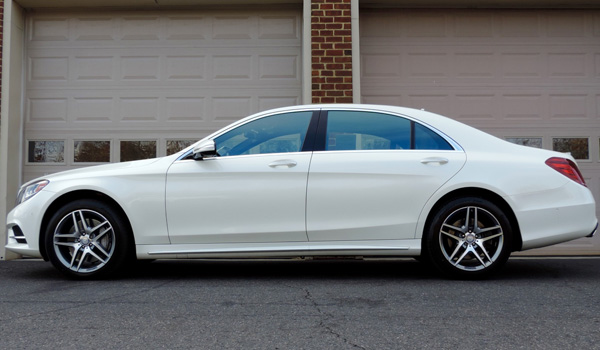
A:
(281, 250)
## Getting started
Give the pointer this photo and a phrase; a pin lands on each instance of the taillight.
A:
(566, 167)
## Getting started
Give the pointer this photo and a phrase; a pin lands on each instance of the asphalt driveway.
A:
(400, 304)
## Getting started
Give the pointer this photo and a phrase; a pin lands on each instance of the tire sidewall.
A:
(122, 240)
(434, 251)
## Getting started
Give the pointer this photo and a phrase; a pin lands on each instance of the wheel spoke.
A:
(98, 227)
(96, 256)
(83, 222)
(480, 245)
(101, 249)
(479, 258)
(74, 256)
(83, 256)
(99, 236)
(456, 250)
(451, 235)
(462, 256)
(67, 244)
(483, 239)
(75, 222)
(482, 230)
(67, 235)
(459, 229)
(467, 218)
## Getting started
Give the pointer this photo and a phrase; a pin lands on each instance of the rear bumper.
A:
(555, 216)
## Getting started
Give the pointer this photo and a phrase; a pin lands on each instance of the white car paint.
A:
(373, 195)
(240, 199)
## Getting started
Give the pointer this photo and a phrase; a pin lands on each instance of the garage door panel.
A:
(477, 26)
(513, 66)
(104, 109)
(147, 68)
(155, 28)
(489, 109)
(532, 75)
(158, 77)
(566, 25)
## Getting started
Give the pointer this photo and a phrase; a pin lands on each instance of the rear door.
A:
(373, 175)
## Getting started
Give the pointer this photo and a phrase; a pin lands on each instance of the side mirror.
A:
(205, 149)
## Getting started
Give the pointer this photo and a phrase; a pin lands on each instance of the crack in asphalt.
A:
(78, 304)
(325, 316)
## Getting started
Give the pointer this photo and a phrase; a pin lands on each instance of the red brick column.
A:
(331, 51)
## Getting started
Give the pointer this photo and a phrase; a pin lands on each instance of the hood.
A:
(106, 169)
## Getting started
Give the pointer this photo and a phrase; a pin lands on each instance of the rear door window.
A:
(354, 130)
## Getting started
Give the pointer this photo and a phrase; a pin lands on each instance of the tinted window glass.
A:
(366, 130)
(349, 130)
(275, 134)
(427, 139)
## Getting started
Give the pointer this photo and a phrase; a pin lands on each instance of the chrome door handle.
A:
(287, 163)
(434, 161)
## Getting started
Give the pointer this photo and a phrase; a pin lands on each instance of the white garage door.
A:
(529, 76)
(114, 86)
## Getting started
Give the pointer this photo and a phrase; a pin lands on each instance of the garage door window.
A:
(577, 146)
(535, 142)
(91, 151)
(46, 152)
(174, 146)
(136, 150)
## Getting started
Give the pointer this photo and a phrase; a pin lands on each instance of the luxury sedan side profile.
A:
(307, 181)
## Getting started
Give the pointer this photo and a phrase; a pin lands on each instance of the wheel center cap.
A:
(84, 240)
(470, 237)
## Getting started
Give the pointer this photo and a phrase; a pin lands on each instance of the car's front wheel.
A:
(87, 238)
(469, 238)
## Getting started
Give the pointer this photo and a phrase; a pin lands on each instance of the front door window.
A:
(280, 133)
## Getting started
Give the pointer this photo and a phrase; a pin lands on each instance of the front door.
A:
(253, 192)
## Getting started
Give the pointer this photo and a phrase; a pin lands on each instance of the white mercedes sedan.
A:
(308, 181)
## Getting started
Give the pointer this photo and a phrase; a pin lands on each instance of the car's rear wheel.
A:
(469, 238)
(87, 239)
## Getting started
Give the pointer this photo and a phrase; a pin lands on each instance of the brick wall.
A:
(331, 51)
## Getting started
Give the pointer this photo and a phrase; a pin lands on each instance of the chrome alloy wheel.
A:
(471, 238)
(84, 241)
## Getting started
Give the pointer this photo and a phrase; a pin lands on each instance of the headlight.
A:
(26, 192)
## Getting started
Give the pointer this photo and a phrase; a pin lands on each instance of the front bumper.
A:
(23, 225)
(17, 243)
(593, 232)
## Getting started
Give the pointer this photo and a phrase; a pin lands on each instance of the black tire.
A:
(468, 238)
(88, 239)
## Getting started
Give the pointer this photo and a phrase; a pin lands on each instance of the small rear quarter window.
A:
(426, 138)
